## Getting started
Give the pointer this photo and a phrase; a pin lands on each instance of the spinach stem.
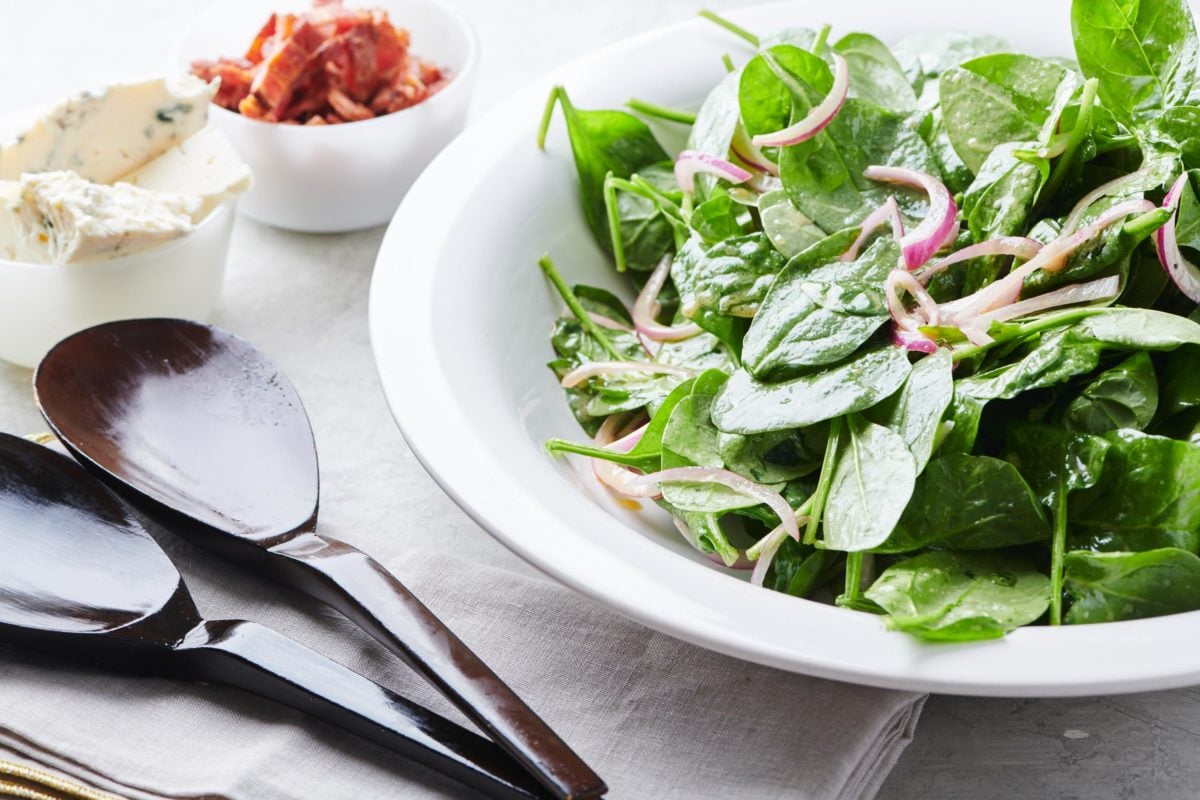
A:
(613, 212)
(1083, 124)
(661, 112)
(854, 564)
(568, 296)
(1029, 328)
(728, 62)
(821, 494)
(732, 27)
(555, 95)
(818, 45)
(591, 451)
(1058, 549)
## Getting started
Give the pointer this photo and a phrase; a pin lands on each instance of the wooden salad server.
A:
(205, 433)
(80, 578)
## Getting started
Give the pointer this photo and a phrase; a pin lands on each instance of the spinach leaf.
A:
(1125, 396)
(799, 569)
(602, 302)
(776, 79)
(967, 502)
(1000, 98)
(746, 405)
(925, 56)
(774, 457)
(574, 347)
(731, 278)
(964, 416)
(1047, 456)
(820, 310)
(788, 230)
(915, 412)
(720, 218)
(871, 485)
(824, 175)
(1148, 496)
(946, 596)
(615, 142)
(686, 269)
(875, 75)
(1181, 380)
(999, 202)
(1107, 587)
(702, 351)
(705, 533)
(713, 130)
(1143, 53)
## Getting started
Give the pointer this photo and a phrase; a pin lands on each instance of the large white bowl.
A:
(41, 304)
(459, 322)
(342, 177)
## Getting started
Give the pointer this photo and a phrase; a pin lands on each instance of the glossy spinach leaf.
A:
(573, 347)
(820, 310)
(999, 202)
(774, 457)
(602, 302)
(1125, 396)
(1181, 380)
(948, 596)
(686, 268)
(965, 502)
(746, 405)
(915, 412)
(1000, 98)
(875, 74)
(714, 127)
(702, 351)
(704, 532)
(1049, 457)
(1148, 496)
(786, 228)
(925, 56)
(720, 218)
(777, 79)
(871, 485)
(1108, 587)
(620, 143)
(964, 415)
(730, 278)
(1143, 52)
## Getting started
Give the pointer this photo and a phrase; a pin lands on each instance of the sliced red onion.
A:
(913, 340)
(749, 154)
(935, 230)
(741, 563)
(818, 117)
(646, 308)
(617, 476)
(888, 211)
(1184, 274)
(594, 369)
(1113, 187)
(975, 334)
(767, 548)
(899, 279)
(608, 322)
(774, 500)
(1051, 258)
(1090, 292)
(690, 162)
(1018, 246)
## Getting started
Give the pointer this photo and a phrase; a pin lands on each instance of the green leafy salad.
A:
(916, 325)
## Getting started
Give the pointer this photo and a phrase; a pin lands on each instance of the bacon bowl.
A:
(352, 175)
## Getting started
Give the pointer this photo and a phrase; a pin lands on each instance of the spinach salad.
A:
(916, 326)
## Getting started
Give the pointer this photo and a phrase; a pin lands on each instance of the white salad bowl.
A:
(328, 178)
(460, 317)
(41, 304)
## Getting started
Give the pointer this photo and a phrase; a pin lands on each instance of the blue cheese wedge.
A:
(77, 220)
(102, 137)
(204, 165)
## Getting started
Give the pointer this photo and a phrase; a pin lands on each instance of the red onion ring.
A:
(593, 369)
(888, 211)
(773, 500)
(766, 554)
(913, 340)
(690, 162)
(1103, 190)
(899, 279)
(646, 308)
(818, 117)
(923, 241)
(749, 154)
(1018, 246)
(608, 322)
(1183, 273)
(1090, 292)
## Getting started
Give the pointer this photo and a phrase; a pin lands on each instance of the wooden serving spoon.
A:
(80, 578)
(203, 431)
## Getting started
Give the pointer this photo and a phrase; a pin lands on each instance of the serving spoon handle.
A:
(362, 589)
(266, 663)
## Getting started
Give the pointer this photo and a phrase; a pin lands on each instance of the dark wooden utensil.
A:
(197, 426)
(80, 578)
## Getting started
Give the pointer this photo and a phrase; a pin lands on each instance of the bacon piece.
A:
(250, 107)
(348, 109)
(255, 52)
(274, 84)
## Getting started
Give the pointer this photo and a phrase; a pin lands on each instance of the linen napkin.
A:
(657, 717)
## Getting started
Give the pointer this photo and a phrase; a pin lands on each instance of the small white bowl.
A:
(328, 178)
(41, 304)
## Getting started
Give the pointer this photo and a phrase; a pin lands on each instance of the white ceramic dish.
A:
(338, 177)
(41, 304)
(459, 323)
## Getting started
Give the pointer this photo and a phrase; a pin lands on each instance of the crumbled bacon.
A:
(328, 65)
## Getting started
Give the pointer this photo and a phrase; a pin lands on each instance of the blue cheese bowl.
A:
(41, 304)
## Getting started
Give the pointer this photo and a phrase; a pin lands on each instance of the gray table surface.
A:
(314, 324)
